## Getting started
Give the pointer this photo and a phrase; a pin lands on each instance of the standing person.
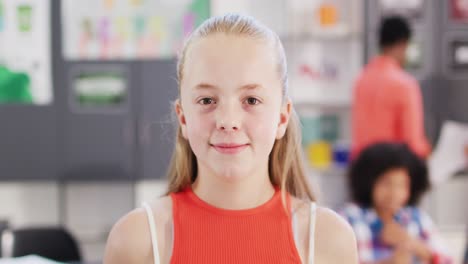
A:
(237, 192)
(387, 101)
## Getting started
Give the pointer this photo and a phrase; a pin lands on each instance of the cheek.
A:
(380, 193)
(377, 194)
(404, 194)
(198, 128)
(264, 127)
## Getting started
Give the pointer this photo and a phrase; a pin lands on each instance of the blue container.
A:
(341, 154)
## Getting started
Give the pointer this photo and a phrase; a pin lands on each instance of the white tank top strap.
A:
(313, 209)
(295, 228)
(154, 239)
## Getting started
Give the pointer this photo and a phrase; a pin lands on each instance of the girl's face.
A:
(231, 109)
(392, 190)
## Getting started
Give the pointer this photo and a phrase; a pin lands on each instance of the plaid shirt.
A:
(367, 228)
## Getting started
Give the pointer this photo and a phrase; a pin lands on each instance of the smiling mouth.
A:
(229, 148)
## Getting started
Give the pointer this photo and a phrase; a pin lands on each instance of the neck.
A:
(392, 53)
(248, 192)
(384, 214)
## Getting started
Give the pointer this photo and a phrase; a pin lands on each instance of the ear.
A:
(284, 119)
(181, 117)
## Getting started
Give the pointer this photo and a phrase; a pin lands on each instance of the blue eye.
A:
(252, 101)
(206, 101)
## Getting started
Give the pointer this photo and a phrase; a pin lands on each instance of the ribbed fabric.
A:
(206, 234)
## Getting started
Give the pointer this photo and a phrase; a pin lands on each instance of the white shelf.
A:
(323, 104)
(332, 171)
(322, 35)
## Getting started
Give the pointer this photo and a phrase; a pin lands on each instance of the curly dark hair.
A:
(393, 30)
(379, 158)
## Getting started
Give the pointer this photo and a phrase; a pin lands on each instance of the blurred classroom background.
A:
(86, 134)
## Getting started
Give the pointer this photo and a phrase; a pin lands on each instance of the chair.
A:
(54, 243)
(3, 226)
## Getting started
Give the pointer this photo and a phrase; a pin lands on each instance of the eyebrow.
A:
(207, 86)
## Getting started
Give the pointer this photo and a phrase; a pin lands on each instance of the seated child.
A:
(386, 182)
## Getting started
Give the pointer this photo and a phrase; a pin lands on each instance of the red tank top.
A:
(206, 234)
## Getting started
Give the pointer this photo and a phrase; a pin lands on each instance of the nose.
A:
(227, 118)
(227, 126)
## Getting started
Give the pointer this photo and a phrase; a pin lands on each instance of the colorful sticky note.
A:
(136, 2)
(188, 23)
(122, 25)
(1, 16)
(139, 23)
(109, 4)
(156, 26)
(24, 15)
(328, 14)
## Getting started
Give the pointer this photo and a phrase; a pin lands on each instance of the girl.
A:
(386, 182)
(237, 188)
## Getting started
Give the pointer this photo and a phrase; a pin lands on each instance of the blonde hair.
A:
(286, 168)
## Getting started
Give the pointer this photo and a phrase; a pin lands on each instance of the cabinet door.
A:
(28, 131)
(99, 120)
(157, 119)
(28, 147)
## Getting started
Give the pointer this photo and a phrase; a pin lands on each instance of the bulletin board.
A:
(25, 52)
(128, 29)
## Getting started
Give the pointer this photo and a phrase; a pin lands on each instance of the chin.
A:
(394, 209)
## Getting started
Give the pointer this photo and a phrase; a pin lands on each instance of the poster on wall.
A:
(269, 13)
(459, 10)
(322, 73)
(25, 52)
(128, 29)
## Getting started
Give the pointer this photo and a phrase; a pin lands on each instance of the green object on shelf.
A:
(329, 128)
(310, 129)
(14, 87)
(100, 89)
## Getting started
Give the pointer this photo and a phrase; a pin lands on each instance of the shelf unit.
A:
(323, 63)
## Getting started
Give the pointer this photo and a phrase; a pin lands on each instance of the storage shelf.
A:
(323, 35)
(323, 104)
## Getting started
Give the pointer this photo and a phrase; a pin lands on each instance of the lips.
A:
(229, 148)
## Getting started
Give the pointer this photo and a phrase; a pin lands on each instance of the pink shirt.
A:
(387, 107)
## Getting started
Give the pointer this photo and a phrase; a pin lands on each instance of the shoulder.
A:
(404, 81)
(130, 241)
(334, 238)
(332, 233)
